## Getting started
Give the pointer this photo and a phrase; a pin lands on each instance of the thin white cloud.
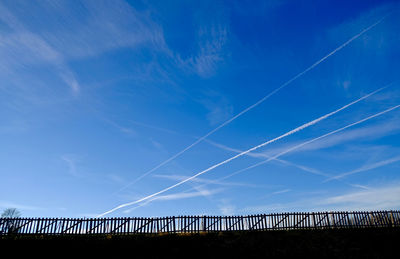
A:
(281, 191)
(21, 47)
(201, 192)
(211, 50)
(302, 167)
(10, 204)
(124, 129)
(206, 181)
(369, 132)
(383, 197)
(69, 78)
(76, 32)
(145, 125)
(185, 195)
(378, 198)
(218, 106)
(116, 179)
(367, 167)
(94, 27)
(381, 41)
(262, 155)
(375, 131)
(71, 161)
(227, 209)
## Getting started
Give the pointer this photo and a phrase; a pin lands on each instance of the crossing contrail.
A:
(366, 168)
(306, 143)
(306, 125)
(310, 141)
(253, 105)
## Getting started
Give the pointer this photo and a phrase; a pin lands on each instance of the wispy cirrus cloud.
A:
(207, 181)
(186, 195)
(9, 204)
(366, 167)
(71, 161)
(98, 26)
(200, 192)
(380, 197)
(226, 207)
(76, 32)
(281, 191)
(211, 51)
(374, 131)
(262, 155)
(21, 48)
(218, 107)
(382, 40)
(369, 132)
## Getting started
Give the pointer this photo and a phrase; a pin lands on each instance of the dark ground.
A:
(333, 243)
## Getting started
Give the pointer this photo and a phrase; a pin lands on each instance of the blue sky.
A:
(104, 103)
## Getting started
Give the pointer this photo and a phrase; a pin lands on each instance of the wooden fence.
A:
(197, 224)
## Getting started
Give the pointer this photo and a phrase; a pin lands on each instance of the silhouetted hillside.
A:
(331, 243)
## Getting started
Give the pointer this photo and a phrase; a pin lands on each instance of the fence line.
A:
(197, 224)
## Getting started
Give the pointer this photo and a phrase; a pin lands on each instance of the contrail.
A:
(366, 168)
(255, 104)
(299, 146)
(310, 141)
(285, 162)
(308, 124)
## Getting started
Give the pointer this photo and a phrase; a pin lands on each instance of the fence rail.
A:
(197, 224)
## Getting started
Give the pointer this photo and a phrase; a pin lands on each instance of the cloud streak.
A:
(376, 131)
(306, 125)
(205, 181)
(386, 197)
(311, 141)
(22, 47)
(262, 155)
(376, 198)
(366, 168)
(8, 204)
(178, 196)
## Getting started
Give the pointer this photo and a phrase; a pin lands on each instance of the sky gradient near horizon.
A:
(97, 98)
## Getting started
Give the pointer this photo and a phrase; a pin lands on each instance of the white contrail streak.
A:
(308, 142)
(301, 145)
(243, 153)
(366, 168)
(254, 105)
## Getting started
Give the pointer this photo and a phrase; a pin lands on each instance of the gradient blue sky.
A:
(94, 94)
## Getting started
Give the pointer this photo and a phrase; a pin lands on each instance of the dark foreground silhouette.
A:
(330, 243)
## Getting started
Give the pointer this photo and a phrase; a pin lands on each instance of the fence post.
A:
(327, 218)
(391, 219)
(173, 224)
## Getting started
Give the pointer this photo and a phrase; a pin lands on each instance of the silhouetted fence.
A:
(196, 224)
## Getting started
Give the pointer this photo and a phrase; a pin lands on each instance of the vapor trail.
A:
(306, 125)
(310, 141)
(254, 105)
(299, 146)
(366, 168)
